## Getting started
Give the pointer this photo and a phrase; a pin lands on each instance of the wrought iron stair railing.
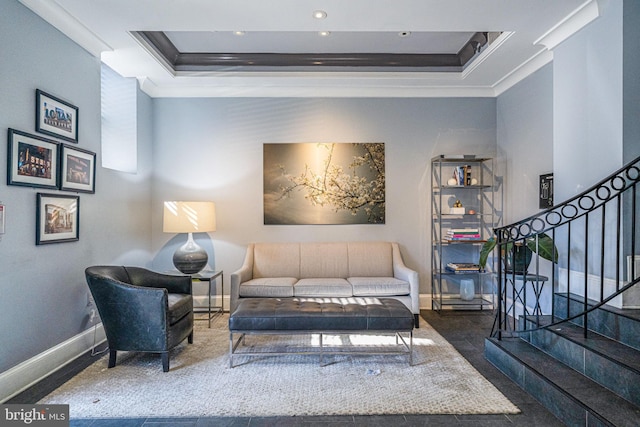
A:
(596, 239)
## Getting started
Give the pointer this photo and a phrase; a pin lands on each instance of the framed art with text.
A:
(77, 169)
(56, 117)
(32, 160)
(57, 218)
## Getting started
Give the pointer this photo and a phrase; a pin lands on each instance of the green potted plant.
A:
(521, 252)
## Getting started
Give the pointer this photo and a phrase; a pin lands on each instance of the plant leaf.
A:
(545, 247)
(487, 248)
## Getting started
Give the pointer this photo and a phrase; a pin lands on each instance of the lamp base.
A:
(190, 258)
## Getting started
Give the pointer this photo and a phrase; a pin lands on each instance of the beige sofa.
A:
(336, 269)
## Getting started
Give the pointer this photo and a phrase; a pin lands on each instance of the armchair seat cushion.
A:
(379, 286)
(272, 287)
(180, 305)
(322, 287)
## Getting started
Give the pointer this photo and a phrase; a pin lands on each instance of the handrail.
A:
(590, 232)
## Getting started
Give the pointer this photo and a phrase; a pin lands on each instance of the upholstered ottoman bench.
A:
(322, 316)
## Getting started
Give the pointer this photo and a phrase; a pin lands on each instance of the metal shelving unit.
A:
(474, 188)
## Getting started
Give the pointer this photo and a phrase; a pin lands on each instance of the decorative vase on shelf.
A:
(467, 289)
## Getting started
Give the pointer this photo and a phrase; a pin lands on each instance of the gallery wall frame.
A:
(57, 218)
(32, 160)
(56, 117)
(77, 169)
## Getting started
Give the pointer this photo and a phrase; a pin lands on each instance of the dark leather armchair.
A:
(142, 310)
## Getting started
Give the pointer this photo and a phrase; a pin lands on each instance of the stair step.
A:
(570, 396)
(619, 324)
(606, 361)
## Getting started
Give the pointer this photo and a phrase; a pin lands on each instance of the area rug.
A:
(201, 383)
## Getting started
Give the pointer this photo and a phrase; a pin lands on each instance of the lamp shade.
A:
(189, 217)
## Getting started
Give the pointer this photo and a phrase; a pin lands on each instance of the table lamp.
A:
(189, 217)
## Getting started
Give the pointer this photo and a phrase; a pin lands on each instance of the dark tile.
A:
(174, 423)
(276, 421)
(118, 422)
(559, 404)
(432, 420)
(379, 420)
(171, 422)
(337, 420)
(223, 422)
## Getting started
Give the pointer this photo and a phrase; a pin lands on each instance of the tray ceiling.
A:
(399, 48)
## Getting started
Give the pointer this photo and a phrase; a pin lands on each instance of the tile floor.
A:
(464, 330)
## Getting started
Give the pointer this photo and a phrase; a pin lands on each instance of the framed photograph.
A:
(56, 117)
(57, 218)
(77, 169)
(32, 160)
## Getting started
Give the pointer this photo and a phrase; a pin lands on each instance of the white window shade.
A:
(119, 122)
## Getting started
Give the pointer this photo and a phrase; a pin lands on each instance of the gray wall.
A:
(631, 82)
(525, 141)
(211, 149)
(587, 103)
(44, 294)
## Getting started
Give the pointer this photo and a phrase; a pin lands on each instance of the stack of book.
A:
(463, 267)
(454, 234)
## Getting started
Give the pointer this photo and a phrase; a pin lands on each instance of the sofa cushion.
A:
(322, 287)
(370, 259)
(276, 260)
(179, 306)
(378, 286)
(323, 260)
(279, 287)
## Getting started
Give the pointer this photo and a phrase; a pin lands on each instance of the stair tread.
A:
(591, 394)
(632, 313)
(606, 346)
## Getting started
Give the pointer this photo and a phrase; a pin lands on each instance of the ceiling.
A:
(374, 48)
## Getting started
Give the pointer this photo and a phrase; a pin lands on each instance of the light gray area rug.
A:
(200, 382)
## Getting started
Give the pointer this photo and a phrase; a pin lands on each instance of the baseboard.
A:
(29, 372)
(425, 302)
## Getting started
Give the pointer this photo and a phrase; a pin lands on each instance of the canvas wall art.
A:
(324, 183)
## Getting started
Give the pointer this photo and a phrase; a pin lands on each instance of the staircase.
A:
(593, 381)
(566, 344)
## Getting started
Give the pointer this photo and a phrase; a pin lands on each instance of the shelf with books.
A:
(463, 218)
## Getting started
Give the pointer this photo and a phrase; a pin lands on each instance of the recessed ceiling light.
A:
(324, 33)
(239, 33)
(404, 33)
(319, 14)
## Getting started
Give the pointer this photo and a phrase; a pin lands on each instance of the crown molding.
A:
(57, 16)
(523, 71)
(351, 86)
(570, 25)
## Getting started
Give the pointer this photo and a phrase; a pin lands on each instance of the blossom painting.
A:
(324, 183)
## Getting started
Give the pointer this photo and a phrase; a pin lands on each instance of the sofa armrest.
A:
(402, 272)
(245, 273)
